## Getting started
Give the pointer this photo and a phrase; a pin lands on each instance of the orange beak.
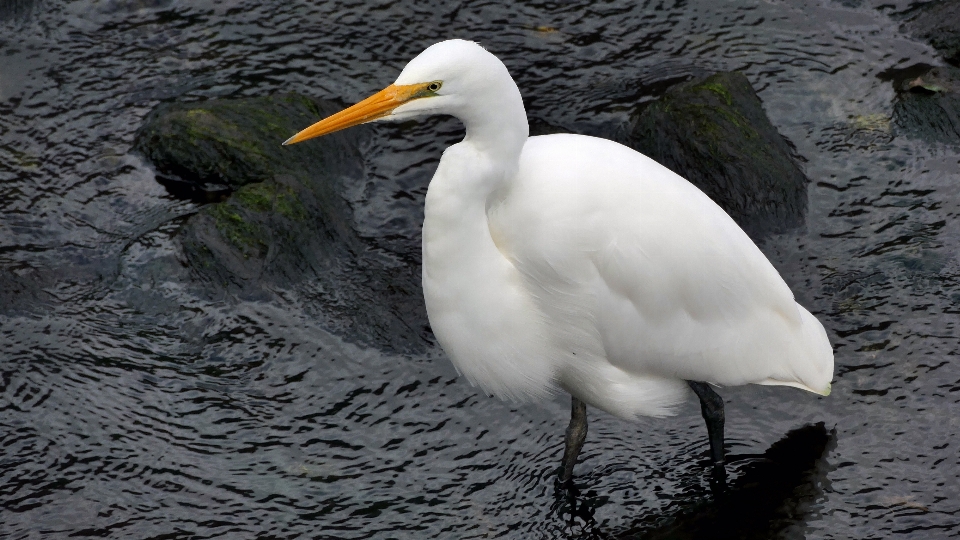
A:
(376, 106)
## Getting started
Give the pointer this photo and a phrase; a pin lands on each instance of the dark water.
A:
(131, 407)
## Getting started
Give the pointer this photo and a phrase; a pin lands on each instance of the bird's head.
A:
(450, 77)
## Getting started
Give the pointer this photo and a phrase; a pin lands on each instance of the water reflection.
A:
(770, 496)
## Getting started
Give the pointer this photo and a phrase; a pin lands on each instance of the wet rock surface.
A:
(928, 103)
(937, 23)
(218, 145)
(285, 223)
(714, 132)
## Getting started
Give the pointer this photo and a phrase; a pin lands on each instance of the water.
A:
(132, 406)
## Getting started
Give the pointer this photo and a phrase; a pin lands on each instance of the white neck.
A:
(473, 293)
(497, 125)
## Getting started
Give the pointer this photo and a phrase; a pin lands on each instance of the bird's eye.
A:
(434, 86)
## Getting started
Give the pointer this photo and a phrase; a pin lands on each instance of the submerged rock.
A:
(283, 223)
(928, 103)
(713, 132)
(937, 23)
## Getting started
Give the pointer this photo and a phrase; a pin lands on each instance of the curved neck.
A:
(479, 315)
(497, 125)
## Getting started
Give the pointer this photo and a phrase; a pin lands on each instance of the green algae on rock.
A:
(713, 132)
(281, 221)
(283, 199)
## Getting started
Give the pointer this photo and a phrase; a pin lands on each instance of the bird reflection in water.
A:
(770, 495)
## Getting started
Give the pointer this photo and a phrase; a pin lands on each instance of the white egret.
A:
(573, 262)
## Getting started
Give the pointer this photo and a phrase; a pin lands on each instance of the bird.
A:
(573, 263)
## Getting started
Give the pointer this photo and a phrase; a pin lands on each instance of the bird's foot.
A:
(563, 482)
(574, 507)
(718, 478)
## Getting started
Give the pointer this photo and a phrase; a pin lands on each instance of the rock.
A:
(265, 228)
(713, 132)
(220, 145)
(928, 103)
(937, 23)
(283, 223)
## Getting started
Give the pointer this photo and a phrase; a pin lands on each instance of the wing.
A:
(631, 259)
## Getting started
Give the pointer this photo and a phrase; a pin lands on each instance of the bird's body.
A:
(596, 269)
(566, 261)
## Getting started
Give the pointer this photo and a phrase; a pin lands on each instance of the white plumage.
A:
(603, 271)
(575, 262)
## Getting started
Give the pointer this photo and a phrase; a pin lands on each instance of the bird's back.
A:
(632, 265)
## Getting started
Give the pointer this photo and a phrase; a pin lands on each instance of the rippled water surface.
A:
(132, 406)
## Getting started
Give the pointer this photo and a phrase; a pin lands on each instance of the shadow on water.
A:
(771, 496)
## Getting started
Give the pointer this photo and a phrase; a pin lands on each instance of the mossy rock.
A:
(284, 223)
(713, 132)
(284, 202)
(255, 233)
(228, 143)
(937, 23)
(275, 232)
(928, 104)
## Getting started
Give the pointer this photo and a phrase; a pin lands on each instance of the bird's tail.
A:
(811, 358)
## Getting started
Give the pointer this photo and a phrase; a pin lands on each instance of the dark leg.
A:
(711, 405)
(576, 434)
